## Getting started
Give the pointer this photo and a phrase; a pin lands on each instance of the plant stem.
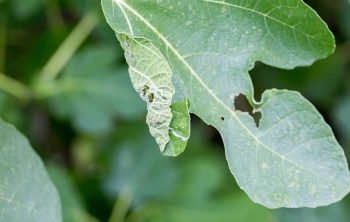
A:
(67, 49)
(142, 215)
(121, 207)
(13, 87)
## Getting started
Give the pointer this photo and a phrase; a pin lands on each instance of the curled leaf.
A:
(151, 77)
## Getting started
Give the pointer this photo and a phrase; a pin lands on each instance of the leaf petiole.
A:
(14, 88)
(121, 206)
(68, 48)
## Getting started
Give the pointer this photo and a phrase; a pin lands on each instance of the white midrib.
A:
(228, 109)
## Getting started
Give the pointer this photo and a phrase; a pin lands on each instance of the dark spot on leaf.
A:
(160, 122)
(222, 118)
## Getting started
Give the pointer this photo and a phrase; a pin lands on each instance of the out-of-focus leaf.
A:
(190, 187)
(72, 205)
(139, 170)
(25, 9)
(26, 192)
(230, 208)
(200, 194)
(193, 185)
(92, 94)
(337, 212)
(84, 154)
(342, 116)
(344, 17)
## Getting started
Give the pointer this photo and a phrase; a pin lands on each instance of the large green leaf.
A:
(26, 192)
(292, 158)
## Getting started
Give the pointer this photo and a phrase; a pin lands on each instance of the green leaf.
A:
(92, 94)
(179, 129)
(151, 76)
(26, 192)
(292, 158)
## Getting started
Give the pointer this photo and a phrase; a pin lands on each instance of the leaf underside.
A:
(292, 158)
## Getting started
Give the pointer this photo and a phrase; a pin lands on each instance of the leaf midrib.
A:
(180, 57)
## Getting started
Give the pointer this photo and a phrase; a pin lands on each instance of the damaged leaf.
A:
(292, 159)
(151, 77)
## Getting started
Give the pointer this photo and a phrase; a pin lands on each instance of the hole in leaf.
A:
(241, 103)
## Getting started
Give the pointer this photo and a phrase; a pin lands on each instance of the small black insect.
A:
(222, 118)
(145, 90)
(150, 97)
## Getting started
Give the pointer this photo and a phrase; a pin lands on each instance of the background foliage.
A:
(65, 86)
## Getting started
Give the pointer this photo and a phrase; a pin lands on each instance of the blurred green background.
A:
(64, 84)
